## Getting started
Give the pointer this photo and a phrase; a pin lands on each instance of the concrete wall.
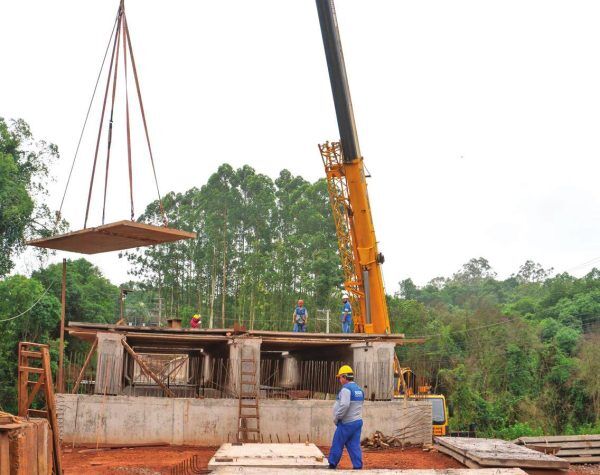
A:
(87, 419)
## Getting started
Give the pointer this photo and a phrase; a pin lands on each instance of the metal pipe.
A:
(338, 79)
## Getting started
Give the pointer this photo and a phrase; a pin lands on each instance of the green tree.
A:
(18, 294)
(24, 177)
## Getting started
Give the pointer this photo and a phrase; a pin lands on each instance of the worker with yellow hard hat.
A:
(196, 321)
(347, 416)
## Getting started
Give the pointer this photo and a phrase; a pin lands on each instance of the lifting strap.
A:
(121, 35)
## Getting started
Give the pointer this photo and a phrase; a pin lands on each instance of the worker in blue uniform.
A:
(346, 317)
(347, 416)
(300, 317)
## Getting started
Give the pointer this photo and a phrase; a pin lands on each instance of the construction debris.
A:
(479, 453)
(378, 440)
(573, 448)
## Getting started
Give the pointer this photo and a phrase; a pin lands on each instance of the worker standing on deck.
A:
(196, 321)
(300, 317)
(347, 416)
(346, 315)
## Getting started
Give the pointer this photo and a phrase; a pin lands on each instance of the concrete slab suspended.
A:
(307, 471)
(277, 456)
(112, 237)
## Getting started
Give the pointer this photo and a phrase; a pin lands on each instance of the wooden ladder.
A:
(34, 359)
(248, 415)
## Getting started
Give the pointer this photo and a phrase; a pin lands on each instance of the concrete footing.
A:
(87, 419)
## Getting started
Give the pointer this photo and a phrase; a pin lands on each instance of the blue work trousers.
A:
(299, 327)
(347, 435)
(346, 324)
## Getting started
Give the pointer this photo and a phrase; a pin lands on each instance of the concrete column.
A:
(241, 349)
(290, 374)
(109, 369)
(373, 365)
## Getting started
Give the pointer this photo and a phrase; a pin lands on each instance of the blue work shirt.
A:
(300, 313)
(347, 312)
(348, 404)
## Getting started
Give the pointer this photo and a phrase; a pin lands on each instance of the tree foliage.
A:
(261, 244)
(514, 356)
(24, 177)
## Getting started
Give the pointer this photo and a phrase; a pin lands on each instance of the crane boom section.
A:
(366, 285)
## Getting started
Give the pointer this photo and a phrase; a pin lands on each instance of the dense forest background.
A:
(515, 356)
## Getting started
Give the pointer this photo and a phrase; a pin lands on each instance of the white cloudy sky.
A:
(478, 120)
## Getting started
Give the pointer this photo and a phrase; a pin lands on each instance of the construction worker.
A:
(346, 314)
(347, 416)
(196, 321)
(300, 317)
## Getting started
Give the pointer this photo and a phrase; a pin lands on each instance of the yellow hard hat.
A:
(196, 317)
(344, 370)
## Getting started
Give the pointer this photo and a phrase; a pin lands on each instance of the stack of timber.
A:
(573, 448)
(483, 453)
(25, 446)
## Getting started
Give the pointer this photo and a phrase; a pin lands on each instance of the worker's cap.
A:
(345, 371)
(345, 297)
(196, 317)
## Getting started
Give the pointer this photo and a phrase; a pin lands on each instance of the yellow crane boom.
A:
(347, 184)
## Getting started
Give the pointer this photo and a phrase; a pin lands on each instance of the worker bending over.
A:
(347, 416)
(346, 315)
(300, 317)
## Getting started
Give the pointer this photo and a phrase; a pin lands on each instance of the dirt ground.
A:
(159, 460)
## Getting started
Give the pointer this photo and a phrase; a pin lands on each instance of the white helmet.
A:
(345, 296)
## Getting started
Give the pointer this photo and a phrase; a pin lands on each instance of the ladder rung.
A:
(248, 405)
(248, 373)
(249, 416)
(37, 412)
(32, 370)
(33, 383)
(250, 395)
(243, 429)
(32, 354)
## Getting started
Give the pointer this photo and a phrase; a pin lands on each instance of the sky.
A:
(478, 120)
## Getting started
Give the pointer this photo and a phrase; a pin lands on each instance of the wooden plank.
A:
(4, 454)
(569, 452)
(49, 393)
(570, 445)
(558, 438)
(590, 459)
(112, 237)
(42, 431)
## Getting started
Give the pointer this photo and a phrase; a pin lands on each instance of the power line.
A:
(31, 307)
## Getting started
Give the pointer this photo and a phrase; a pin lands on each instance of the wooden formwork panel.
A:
(112, 237)
(26, 448)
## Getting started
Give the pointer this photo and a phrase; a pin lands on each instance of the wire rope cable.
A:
(87, 115)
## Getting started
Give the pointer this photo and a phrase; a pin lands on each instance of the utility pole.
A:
(60, 383)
